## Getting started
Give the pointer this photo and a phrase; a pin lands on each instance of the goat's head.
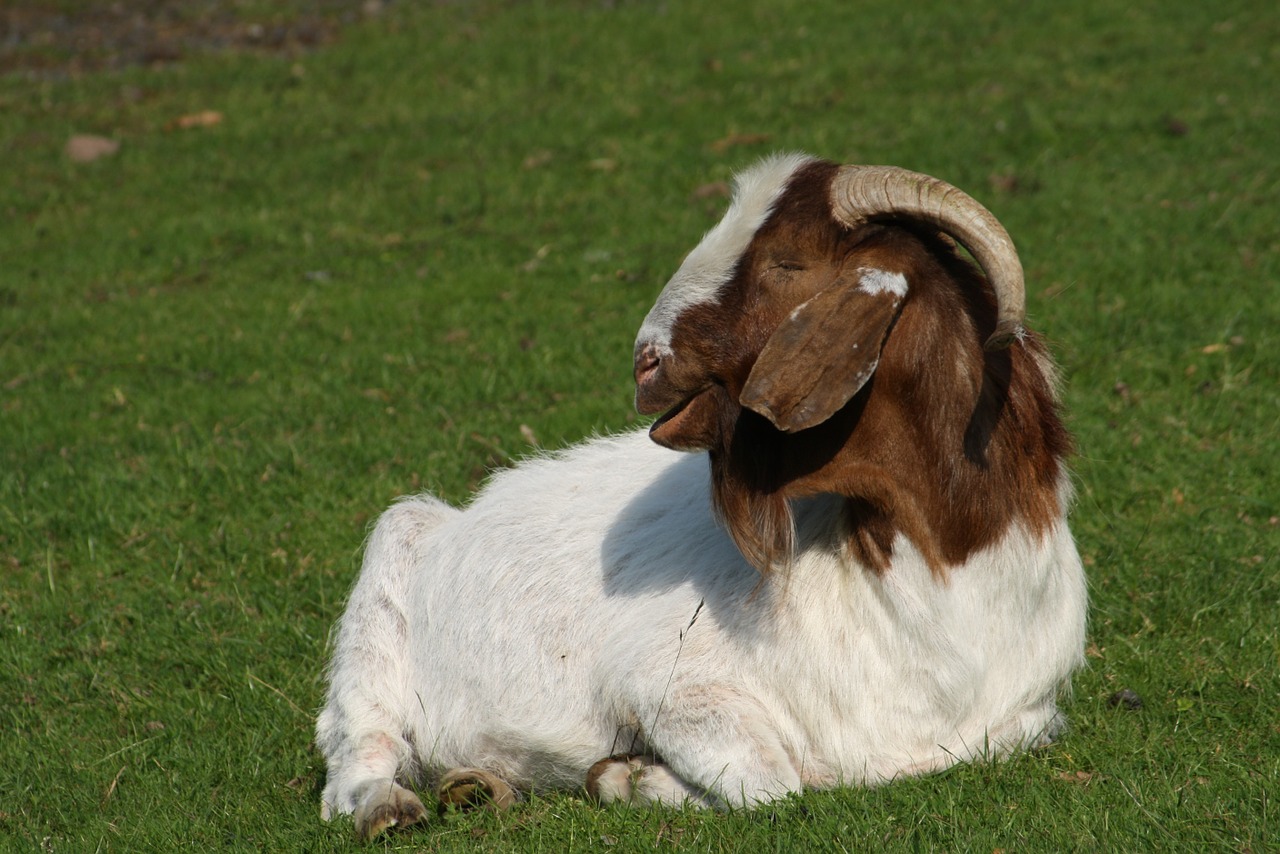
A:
(763, 347)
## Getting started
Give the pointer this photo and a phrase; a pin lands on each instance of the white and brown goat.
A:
(867, 574)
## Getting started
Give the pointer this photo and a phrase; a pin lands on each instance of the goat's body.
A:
(865, 572)
(587, 604)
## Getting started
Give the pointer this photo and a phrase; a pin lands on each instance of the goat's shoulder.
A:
(589, 488)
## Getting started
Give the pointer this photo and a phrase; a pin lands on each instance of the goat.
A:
(863, 570)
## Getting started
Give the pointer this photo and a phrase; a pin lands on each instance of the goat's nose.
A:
(647, 360)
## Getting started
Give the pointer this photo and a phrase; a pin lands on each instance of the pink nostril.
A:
(646, 362)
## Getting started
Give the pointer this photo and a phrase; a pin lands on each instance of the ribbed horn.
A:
(861, 194)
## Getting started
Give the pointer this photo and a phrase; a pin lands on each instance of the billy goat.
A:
(864, 571)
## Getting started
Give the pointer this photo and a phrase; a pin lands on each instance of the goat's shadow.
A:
(667, 537)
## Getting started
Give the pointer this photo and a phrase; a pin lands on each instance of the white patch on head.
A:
(873, 281)
(709, 267)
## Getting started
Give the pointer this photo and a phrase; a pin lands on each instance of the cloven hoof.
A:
(471, 788)
(397, 807)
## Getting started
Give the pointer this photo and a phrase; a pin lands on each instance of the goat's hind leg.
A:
(361, 730)
(469, 788)
(381, 802)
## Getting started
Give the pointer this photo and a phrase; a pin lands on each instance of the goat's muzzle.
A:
(654, 392)
(647, 362)
(686, 414)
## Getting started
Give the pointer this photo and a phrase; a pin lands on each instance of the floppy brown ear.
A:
(825, 351)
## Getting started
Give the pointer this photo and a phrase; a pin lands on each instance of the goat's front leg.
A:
(717, 748)
(638, 779)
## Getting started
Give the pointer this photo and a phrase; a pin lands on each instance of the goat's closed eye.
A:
(781, 273)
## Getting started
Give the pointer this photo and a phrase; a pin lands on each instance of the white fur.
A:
(587, 604)
(873, 281)
(709, 267)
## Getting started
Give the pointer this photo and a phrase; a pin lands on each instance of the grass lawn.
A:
(329, 271)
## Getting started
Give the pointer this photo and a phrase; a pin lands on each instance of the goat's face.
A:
(773, 311)
(758, 347)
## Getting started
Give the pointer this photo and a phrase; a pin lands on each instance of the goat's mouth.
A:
(673, 413)
(655, 394)
(690, 424)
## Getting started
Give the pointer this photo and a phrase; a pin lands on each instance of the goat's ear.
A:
(825, 351)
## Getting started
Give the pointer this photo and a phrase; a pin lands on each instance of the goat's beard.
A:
(747, 493)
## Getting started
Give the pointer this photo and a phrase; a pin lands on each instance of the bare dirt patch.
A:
(65, 38)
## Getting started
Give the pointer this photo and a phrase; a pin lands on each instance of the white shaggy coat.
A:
(587, 603)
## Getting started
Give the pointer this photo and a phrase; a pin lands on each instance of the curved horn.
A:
(861, 194)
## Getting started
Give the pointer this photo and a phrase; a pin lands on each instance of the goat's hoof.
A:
(391, 807)
(468, 788)
(616, 778)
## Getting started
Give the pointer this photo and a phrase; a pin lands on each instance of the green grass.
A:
(224, 350)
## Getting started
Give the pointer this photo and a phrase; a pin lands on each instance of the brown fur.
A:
(946, 444)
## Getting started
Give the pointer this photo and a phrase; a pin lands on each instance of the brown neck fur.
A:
(947, 445)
